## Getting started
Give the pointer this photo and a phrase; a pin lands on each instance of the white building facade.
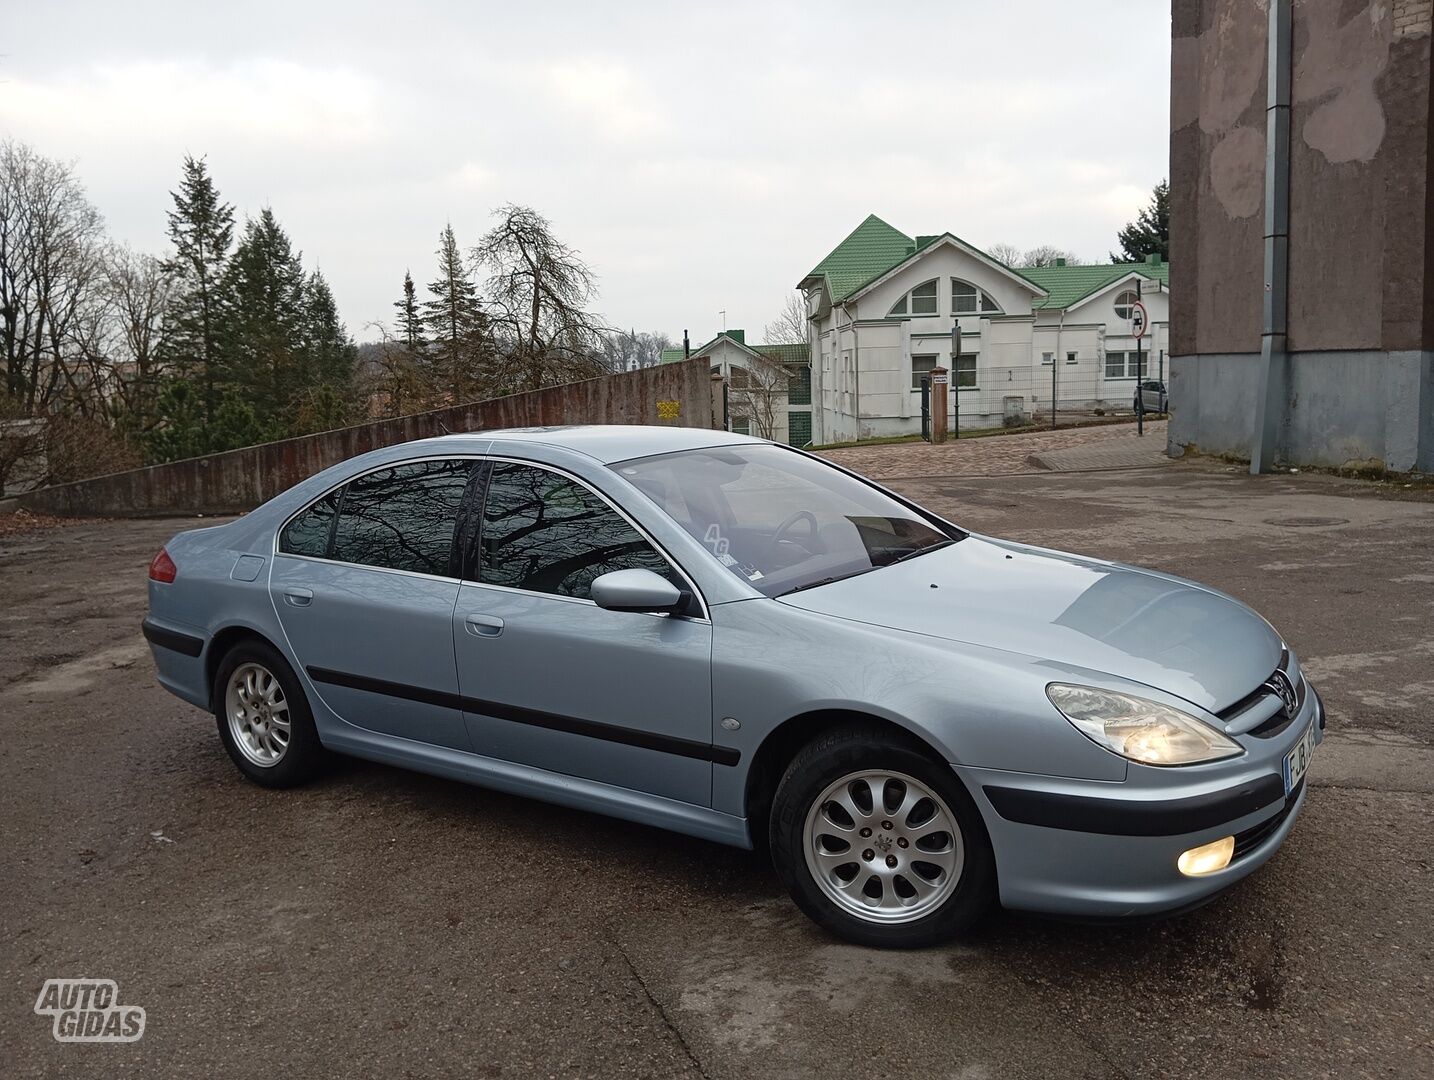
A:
(883, 306)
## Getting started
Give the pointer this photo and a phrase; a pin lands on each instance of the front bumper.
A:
(1095, 849)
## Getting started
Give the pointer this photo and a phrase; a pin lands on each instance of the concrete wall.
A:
(1344, 409)
(239, 480)
(1361, 291)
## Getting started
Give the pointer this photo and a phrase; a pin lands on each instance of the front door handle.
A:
(483, 625)
(296, 597)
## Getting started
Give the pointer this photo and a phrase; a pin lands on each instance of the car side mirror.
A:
(638, 590)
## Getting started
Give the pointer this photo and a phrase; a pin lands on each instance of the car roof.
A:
(611, 442)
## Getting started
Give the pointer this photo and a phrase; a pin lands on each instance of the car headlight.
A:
(1139, 729)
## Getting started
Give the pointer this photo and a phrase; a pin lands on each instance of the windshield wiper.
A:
(919, 551)
(828, 580)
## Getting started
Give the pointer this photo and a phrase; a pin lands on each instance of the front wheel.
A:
(880, 843)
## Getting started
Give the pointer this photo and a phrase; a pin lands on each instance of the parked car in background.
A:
(1152, 393)
(739, 641)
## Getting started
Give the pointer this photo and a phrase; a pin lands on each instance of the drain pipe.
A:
(856, 366)
(1274, 357)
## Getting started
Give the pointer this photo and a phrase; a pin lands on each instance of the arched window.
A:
(1125, 304)
(919, 301)
(966, 299)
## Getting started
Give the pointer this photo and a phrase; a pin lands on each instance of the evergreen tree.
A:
(265, 342)
(456, 326)
(327, 395)
(1149, 233)
(410, 322)
(201, 227)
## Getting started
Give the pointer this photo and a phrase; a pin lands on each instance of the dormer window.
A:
(919, 301)
(966, 299)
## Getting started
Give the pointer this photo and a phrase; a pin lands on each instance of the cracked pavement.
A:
(383, 921)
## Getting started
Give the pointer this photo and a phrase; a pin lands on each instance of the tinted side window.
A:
(402, 517)
(545, 533)
(308, 534)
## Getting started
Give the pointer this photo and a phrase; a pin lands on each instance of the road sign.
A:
(1138, 319)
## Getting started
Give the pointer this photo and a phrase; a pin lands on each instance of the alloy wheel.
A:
(258, 714)
(883, 846)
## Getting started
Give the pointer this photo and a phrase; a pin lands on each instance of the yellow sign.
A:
(669, 410)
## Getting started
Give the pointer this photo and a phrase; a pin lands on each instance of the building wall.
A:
(724, 355)
(1008, 347)
(240, 480)
(1360, 287)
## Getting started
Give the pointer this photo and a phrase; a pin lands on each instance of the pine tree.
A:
(457, 328)
(265, 342)
(202, 230)
(327, 396)
(410, 322)
(1149, 233)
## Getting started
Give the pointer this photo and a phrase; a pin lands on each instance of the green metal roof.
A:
(782, 354)
(1069, 285)
(871, 249)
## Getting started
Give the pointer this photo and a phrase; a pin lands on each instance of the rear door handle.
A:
(296, 597)
(483, 625)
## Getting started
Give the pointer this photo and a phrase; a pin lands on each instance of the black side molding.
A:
(573, 725)
(173, 640)
(1130, 817)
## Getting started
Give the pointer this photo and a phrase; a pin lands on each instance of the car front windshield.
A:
(780, 520)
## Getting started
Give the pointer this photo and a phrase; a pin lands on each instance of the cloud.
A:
(605, 94)
(258, 100)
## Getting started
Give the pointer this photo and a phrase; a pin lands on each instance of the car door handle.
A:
(296, 597)
(483, 625)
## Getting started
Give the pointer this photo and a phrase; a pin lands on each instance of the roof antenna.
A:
(442, 426)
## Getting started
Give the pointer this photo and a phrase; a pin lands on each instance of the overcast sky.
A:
(701, 156)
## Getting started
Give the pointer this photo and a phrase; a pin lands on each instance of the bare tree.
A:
(539, 290)
(140, 293)
(630, 350)
(1009, 254)
(50, 265)
(1046, 255)
(1042, 255)
(758, 392)
(791, 324)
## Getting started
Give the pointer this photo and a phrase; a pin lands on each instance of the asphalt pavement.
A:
(382, 922)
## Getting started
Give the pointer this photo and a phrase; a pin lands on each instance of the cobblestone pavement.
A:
(993, 455)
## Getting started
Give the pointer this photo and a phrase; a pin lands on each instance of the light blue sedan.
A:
(739, 641)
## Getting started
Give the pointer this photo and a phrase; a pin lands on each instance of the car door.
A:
(364, 581)
(551, 680)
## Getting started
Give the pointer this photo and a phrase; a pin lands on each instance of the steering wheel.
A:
(785, 527)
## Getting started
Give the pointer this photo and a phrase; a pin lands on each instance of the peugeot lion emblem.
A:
(1280, 683)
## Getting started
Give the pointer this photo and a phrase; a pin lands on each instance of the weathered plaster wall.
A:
(1359, 162)
(1357, 385)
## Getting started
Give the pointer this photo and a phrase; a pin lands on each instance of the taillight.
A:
(162, 568)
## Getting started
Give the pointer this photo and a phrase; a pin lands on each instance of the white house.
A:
(883, 306)
(769, 389)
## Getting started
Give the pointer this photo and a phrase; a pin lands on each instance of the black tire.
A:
(304, 756)
(825, 760)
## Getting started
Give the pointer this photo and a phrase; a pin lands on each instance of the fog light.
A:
(1207, 858)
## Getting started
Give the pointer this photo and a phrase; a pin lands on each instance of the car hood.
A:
(1136, 624)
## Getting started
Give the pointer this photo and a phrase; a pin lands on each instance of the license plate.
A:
(1298, 759)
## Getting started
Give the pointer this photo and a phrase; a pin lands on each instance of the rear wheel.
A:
(880, 843)
(264, 718)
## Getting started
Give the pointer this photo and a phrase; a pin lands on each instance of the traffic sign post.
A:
(1139, 319)
(956, 378)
